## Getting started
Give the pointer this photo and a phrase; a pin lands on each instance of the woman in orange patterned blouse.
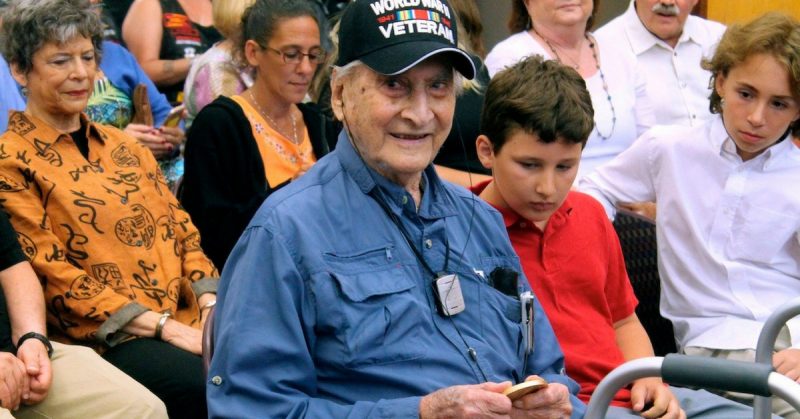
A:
(119, 260)
(241, 149)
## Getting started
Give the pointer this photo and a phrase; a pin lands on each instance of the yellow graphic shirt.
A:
(105, 235)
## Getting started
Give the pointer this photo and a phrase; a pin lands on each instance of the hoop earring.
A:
(721, 102)
(24, 91)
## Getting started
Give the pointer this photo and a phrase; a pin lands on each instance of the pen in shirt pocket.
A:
(526, 316)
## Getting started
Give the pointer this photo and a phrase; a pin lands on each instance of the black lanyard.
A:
(396, 221)
(392, 216)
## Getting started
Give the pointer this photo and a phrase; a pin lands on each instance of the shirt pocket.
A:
(762, 235)
(496, 306)
(376, 310)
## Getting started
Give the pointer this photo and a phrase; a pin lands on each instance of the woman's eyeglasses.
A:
(294, 56)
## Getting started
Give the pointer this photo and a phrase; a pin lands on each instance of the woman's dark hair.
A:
(30, 24)
(260, 20)
(775, 34)
(520, 20)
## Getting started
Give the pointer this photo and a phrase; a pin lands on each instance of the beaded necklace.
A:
(576, 66)
(593, 47)
(274, 124)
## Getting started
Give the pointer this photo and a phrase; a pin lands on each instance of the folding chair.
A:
(705, 372)
(637, 237)
(208, 340)
(762, 408)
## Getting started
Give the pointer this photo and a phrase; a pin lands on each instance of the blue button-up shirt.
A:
(325, 311)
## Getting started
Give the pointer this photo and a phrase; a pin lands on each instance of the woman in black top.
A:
(241, 149)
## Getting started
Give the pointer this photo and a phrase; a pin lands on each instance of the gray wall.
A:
(494, 15)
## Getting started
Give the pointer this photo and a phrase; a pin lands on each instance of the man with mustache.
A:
(667, 44)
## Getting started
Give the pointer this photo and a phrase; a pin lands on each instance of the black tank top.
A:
(182, 38)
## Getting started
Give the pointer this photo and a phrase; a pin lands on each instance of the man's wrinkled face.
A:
(665, 18)
(398, 122)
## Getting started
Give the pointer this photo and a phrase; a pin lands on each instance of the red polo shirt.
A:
(576, 269)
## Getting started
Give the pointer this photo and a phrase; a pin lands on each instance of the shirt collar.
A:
(435, 203)
(26, 125)
(511, 219)
(641, 39)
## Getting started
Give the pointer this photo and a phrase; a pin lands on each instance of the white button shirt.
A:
(633, 110)
(728, 241)
(676, 83)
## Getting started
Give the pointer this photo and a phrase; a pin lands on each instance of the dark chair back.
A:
(637, 236)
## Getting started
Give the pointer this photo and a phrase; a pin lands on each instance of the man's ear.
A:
(485, 151)
(20, 77)
(337, 96)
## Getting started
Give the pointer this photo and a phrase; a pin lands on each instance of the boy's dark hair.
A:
(540, 97)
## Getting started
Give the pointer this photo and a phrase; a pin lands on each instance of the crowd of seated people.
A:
(431, 239)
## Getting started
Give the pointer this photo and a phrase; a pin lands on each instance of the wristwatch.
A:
(41, 338)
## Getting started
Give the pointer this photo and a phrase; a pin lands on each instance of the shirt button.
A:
(216, 380)
(683, 84)
(694, 116)
(405, 199)
(523, 224)
(428, 243)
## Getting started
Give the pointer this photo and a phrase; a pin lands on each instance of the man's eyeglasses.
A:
(294, 56)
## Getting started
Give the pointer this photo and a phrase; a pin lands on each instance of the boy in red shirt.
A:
(532, 140)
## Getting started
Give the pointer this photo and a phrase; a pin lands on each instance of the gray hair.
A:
(30, 24)
(348, 69)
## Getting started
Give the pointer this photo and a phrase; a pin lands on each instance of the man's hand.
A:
(549, 402)
(787, 362)
(651, 391)
(33, 354)
(13, 381)
(469, 401)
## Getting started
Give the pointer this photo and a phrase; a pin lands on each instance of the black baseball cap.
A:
(391, 36)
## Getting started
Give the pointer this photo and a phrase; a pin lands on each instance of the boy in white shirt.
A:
(727, 211)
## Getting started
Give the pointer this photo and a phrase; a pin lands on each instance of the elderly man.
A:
(370, 287)
(668, 45)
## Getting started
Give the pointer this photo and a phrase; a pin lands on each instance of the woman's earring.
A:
(24, 91)
(722, 102)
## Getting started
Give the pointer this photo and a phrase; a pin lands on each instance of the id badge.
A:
(448, 296)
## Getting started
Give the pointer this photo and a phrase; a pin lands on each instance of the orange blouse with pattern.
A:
(283, 160)
(105, 235)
